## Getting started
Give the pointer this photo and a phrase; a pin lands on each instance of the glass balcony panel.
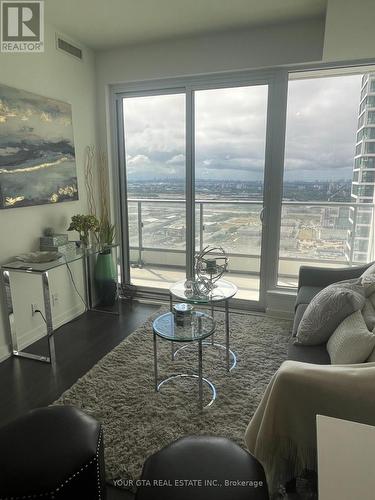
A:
(365, 162)
(133, 223)
(368, 176)
(361, 245)
(364, 217)
(370, 147)
(367, 191)
(370, 132)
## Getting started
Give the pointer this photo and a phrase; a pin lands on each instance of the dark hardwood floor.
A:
(27, 384)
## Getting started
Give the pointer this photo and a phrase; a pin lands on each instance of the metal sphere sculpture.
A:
(198, 288)
(211, 263)
(209, 266)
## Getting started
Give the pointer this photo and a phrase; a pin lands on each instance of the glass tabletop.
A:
(223, 290)
(202, 326)
(41, 267)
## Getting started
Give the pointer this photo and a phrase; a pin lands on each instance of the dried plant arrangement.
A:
(96, 175)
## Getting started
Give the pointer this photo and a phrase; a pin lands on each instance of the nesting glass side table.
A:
(223, 291)
(202, 326)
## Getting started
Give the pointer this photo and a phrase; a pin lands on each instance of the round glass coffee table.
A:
(202, 326)
(223, 291)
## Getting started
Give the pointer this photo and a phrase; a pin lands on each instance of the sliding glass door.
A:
(230, 137)
(194, 166)
(154, 127)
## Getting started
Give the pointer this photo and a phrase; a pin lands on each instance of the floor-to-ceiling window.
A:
(328, 187)
(230, 138)
(227, 151)
(206, 165)
(154, 127)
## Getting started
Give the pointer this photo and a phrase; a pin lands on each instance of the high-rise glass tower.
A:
(360, 241)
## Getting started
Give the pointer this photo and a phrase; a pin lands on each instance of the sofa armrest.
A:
(323, 276)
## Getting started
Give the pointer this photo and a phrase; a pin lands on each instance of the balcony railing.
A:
(328, 233)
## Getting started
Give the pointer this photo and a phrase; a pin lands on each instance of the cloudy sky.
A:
(231, 128)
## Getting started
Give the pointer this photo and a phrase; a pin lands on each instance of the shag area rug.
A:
(119, 390)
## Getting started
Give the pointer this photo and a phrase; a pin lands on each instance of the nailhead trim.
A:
(97, 463)
(75, 474)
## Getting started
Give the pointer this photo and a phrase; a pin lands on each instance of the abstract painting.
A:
(37, 157)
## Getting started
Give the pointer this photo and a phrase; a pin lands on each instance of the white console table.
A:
(42, 270)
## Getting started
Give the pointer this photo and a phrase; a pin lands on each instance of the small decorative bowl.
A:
(183, 314)
(39, 257)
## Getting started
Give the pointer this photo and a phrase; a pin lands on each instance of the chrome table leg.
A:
(227, 334)
(155, 364)
(12, 324)
(10, 311)
(213, 317)
(200, 377)
(48, 313)
(171, 310)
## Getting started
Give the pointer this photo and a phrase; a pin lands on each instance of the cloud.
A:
(176, 160)
(231, 131)
(133, 161)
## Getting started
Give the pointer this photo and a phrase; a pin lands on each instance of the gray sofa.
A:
(310, 281)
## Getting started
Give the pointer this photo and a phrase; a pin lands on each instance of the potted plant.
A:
(84, 225)
(105, 269)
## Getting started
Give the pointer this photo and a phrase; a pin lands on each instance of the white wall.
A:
(290, 43)
(349, 31)
(56, 75)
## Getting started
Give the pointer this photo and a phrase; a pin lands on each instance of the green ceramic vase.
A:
(105, 278)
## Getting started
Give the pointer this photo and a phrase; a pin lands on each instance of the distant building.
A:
(359, 244)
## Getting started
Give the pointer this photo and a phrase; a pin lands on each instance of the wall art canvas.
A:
(37, 157)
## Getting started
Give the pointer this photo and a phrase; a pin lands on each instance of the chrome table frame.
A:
(200, 377)
(48, 317)
(228, 352)
(51, 358)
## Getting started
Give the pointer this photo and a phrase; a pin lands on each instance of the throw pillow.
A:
(351, 342)
(371, 358)
(370, 270)
(368, 283)
(368, 313)
(327, 310)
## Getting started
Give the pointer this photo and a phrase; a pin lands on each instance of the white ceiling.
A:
(102, 24)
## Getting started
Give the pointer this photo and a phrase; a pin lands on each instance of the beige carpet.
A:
(119, 390)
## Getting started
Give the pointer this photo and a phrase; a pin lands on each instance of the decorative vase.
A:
(105, 278)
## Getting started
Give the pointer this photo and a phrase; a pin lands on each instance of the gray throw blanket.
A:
(282, 432)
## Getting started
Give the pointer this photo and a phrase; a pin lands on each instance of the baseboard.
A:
(5, 352)
(279, 313)
(31, 336)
